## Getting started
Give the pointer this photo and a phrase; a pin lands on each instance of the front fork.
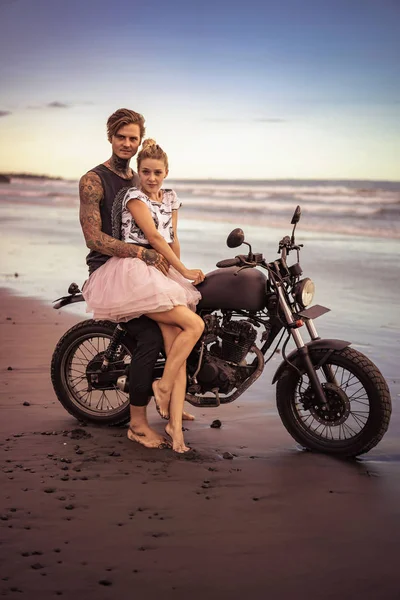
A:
(303, 350)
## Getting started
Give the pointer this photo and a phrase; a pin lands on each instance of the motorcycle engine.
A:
(237, 339)
(227, 345)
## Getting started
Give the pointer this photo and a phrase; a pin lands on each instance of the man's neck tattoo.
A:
(120, 166)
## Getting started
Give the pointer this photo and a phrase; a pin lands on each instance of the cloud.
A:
(56, 104)
(5, 113)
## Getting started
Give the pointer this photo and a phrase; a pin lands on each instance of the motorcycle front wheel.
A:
(358, 407)
(78, 354)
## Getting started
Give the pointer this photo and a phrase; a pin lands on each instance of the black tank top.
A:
(112, 184)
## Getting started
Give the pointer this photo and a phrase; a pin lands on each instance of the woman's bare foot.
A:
(147, 437)
(187, 416)
(162, 399)
(178, 443)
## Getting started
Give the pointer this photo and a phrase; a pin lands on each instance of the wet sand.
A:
(85, 513)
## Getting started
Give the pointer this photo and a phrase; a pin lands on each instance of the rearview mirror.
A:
(235, 238)
(296, 216)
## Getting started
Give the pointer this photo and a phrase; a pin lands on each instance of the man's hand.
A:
(155, 259)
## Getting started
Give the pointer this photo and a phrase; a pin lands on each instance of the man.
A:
(97, 190)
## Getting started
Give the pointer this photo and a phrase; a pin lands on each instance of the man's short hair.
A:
(121, 117)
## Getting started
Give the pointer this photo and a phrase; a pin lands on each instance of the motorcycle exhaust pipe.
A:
(123, 385)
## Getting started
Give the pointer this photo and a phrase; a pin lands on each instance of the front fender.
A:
(318, 344)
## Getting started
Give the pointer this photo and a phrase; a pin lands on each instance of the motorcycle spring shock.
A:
(113, 345)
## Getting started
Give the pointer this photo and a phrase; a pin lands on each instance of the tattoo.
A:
(152, 258)
(91, 194)
(90, 188)
(120, 166)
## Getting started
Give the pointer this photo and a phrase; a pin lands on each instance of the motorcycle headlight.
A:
(303, 292)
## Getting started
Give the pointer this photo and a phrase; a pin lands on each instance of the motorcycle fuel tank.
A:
(233, 288)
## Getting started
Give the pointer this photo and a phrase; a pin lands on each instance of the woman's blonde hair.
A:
(151, 149)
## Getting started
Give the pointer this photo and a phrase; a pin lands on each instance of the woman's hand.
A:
(194, 275)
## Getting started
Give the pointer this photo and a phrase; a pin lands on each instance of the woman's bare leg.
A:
(174, 427)
(190, 329)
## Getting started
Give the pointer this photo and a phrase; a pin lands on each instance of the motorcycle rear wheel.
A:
(359, 405)
(71, 357)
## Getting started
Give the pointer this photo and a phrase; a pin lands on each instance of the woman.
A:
(125, 288)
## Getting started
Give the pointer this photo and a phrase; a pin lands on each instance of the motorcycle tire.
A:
(359, 404)
(72, 355)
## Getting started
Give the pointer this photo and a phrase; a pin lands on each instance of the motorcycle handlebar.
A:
(251, 260)
(228, 262)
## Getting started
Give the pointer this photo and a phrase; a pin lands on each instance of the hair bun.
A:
(149, 142)
(150, 149)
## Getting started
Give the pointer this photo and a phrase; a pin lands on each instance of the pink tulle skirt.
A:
(126, 288)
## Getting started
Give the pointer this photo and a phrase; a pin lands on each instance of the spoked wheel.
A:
(81, 387)
(358, 407)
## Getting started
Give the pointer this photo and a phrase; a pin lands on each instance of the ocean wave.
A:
(390, 211)
(235, 197)
(382, 198)
(277, 206)
(7, 192)
(260, 197)
(282, 189)
(353, 227)
(39, 195)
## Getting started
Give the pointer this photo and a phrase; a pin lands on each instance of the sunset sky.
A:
(252, 89)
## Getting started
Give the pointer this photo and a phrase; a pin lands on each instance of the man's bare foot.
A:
(162, 399)
(178, 443)
(147, 437)
(187, 416)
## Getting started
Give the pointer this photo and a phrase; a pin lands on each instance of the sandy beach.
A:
(87, 514)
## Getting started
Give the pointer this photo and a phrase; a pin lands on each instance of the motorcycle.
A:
(330, 397)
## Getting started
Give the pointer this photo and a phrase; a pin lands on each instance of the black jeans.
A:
(149, 343)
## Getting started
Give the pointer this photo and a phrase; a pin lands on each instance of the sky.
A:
(244, 90)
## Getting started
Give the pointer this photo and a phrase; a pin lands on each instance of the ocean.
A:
(354, 207)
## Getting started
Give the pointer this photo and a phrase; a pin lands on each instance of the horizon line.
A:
(207, 179)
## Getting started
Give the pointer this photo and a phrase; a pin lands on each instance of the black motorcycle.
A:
(330, 397)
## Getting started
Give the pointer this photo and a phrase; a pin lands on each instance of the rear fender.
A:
(327, 345)
(65, 300)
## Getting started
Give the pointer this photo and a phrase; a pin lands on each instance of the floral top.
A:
(160, 211)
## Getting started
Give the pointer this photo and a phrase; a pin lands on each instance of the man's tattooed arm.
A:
(91, 194)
